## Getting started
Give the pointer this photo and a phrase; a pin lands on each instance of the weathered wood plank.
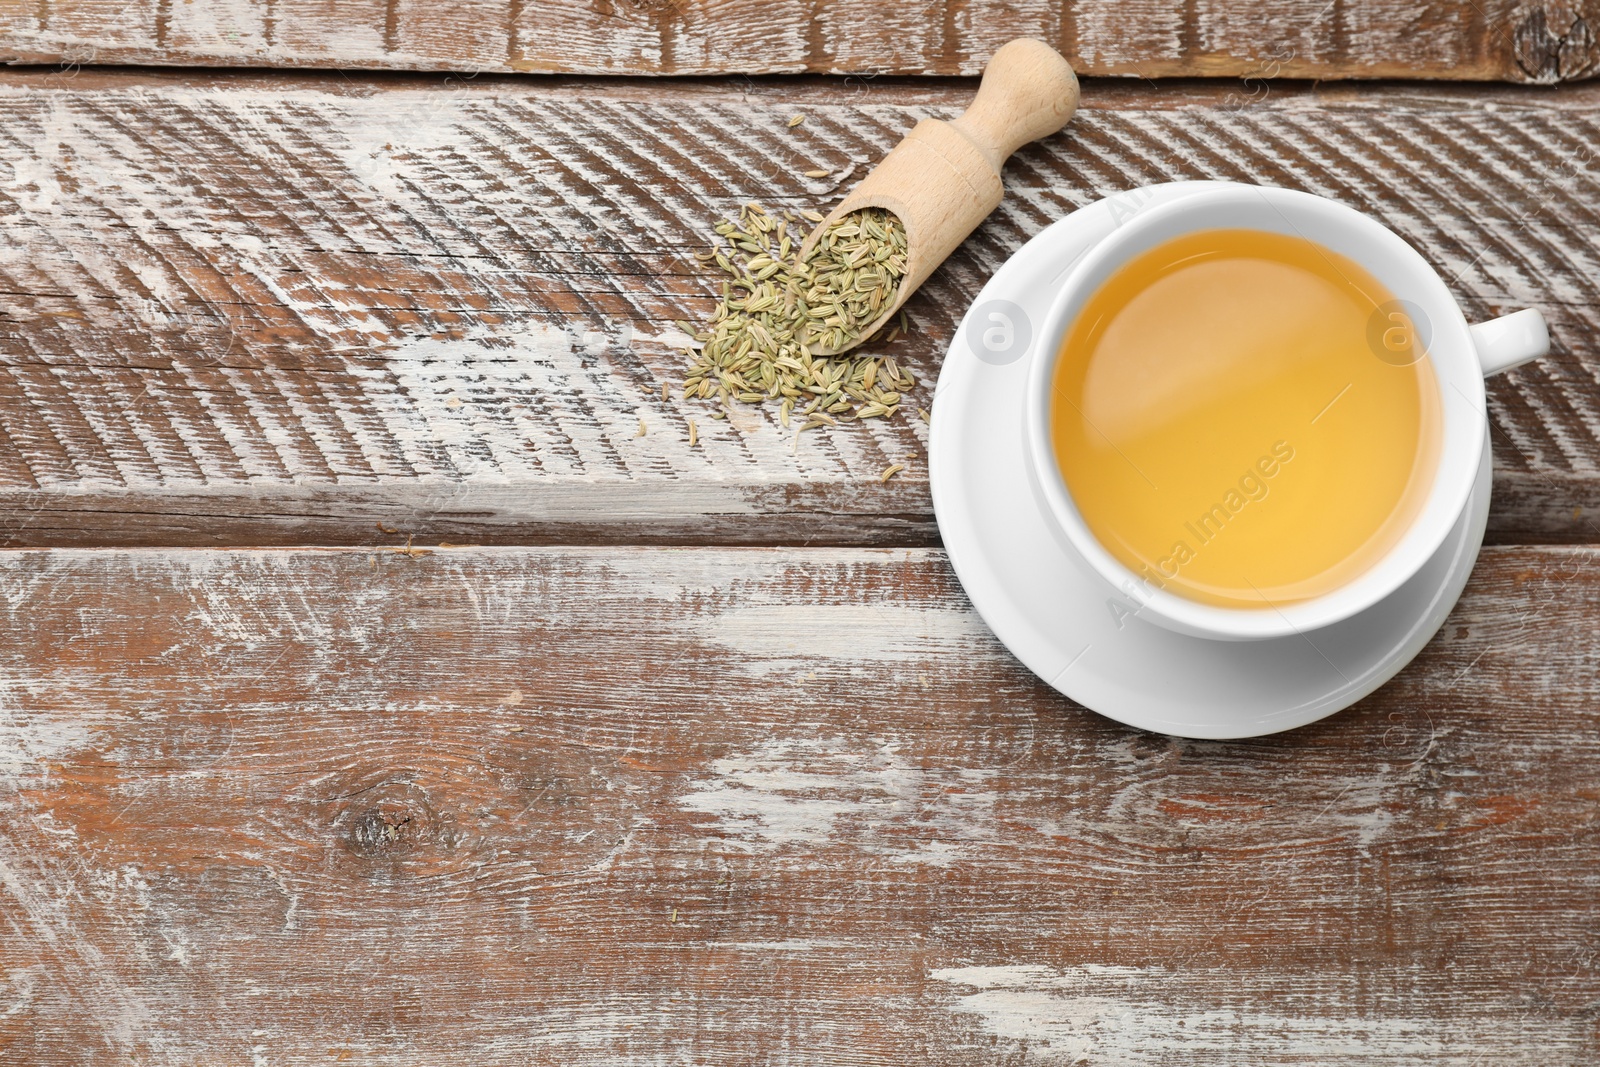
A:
(577, 806)
(1458, 39)
(252, 310)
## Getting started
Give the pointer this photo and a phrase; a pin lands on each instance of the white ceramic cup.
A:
(1461, 356)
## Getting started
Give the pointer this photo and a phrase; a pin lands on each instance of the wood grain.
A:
(1510, 40)
(574, 806)
(263, 310)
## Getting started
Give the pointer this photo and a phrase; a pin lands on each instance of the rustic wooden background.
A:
(1495, 40)
(700, 756)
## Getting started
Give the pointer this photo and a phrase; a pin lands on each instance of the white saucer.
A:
(1047, 608)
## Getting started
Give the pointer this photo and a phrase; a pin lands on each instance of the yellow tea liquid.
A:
(1227, 428)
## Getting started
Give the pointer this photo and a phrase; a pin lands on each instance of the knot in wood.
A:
(389, 819)
(1555, 42)
(376, 830)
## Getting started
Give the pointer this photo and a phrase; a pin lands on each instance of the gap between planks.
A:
(1455, 39)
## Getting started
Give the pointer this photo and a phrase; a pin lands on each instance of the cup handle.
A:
(1511, 340)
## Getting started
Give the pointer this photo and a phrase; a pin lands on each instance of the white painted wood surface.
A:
(642, 805)
(259, 310)
(1511, 40)
(639, 806)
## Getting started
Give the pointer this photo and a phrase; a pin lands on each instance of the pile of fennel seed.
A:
(775, 307)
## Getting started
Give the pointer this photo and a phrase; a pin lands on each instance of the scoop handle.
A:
(1028, 92)
(943, 179)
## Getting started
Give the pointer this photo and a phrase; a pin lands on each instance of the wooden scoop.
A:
(944, 177)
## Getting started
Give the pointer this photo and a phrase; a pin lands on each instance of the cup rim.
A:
(1452, 483)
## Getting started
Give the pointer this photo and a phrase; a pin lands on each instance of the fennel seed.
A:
(776, 308)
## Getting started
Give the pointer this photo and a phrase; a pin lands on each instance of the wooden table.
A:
(371, 692)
